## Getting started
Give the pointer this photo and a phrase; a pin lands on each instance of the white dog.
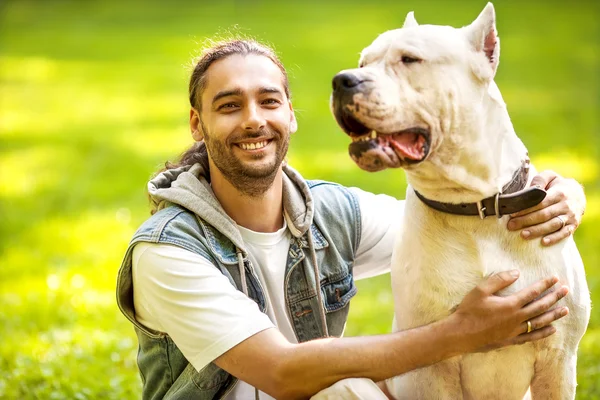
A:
(424, 99)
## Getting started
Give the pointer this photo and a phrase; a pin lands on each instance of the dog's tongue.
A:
(410, 145)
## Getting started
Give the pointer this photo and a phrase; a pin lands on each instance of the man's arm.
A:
(481, 322)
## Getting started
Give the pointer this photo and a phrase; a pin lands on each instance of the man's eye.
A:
(271, 101)
(227, 106)
(409, 60)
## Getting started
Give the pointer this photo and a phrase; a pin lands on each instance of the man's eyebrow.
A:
(270, 89)
(225, 93)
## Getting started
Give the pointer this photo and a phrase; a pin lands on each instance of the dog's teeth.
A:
(364, 138)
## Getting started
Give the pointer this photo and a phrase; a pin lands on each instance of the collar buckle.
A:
(496, 208)
(481, 209)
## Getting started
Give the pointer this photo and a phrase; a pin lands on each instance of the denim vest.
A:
(335, 230)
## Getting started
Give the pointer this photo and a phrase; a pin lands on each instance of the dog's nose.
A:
(345, 80)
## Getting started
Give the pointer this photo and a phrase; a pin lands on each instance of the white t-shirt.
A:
(184, 295)
(268, 253)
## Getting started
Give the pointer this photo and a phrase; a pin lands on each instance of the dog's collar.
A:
(513, 198)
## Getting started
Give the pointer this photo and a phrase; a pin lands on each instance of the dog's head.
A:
(415, 88)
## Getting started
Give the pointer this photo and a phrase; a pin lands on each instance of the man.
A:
(221, 282)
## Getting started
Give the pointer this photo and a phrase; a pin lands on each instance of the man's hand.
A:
(565, 201)
(488, 321)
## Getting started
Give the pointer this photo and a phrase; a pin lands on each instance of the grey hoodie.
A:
(189, 187)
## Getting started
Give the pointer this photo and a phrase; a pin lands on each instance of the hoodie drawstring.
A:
(240, 257)
(242, 271)
(313, 256)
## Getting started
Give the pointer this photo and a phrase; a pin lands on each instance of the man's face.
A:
(246, 120)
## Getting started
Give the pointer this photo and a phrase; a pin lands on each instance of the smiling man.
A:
(239, 284)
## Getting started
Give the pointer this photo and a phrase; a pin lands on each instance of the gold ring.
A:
(562, 220)
(529, 326)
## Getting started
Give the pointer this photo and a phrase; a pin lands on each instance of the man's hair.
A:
(217, 51)
(222, 50)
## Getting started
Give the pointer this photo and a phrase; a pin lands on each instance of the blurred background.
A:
(93, 100)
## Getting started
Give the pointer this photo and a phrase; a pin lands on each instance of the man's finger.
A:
(556, 237)
(539, 217)
(553, 225)
(540, 230)
(498, 281)
(534, 335)
(532, 292)
(541, 305)
(545, 319)
(543, 179)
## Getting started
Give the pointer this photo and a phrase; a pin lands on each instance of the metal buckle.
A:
(496, 208)
(481, 210)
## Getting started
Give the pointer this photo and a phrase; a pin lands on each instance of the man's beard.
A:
(250, 180)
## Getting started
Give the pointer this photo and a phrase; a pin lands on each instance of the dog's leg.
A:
(555, 375)
(439, 381)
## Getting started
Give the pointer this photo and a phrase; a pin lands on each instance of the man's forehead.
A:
(244, 72)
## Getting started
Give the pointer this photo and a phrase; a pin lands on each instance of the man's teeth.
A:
(253, 146)
(364, 138)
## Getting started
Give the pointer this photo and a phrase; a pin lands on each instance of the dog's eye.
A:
(409, 60)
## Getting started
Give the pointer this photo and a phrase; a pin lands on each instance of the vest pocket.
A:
(210, 377)
(338, 293)
(210, 383)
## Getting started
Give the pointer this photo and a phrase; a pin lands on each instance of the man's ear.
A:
(410, 20)
(483, 36)
(293, 121)
(196, 126)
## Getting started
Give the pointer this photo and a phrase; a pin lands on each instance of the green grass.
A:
(93, 100)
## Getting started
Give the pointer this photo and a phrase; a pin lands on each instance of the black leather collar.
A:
(514, 197)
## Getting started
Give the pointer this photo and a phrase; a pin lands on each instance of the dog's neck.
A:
(477, 161)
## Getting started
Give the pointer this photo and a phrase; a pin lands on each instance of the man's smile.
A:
(254, 146)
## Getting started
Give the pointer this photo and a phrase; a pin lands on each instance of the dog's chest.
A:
(438, 259)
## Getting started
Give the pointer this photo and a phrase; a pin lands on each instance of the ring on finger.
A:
(563, 221)
(529, 329)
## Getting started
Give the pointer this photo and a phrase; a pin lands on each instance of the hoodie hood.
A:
(189, 187)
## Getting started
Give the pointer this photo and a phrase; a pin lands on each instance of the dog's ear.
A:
(410, 20)
(483, 35)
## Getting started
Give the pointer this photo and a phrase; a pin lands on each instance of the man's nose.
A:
(253, 118)
(345, 81)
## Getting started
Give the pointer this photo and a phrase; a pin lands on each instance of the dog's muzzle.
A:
(345, 86)
(371, 149)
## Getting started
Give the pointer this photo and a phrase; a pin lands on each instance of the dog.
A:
(424, 99)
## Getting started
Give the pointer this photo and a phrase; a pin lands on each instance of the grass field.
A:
(93, 100)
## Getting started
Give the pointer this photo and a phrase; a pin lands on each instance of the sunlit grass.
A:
(26, 178)
(93, 99)
(101, 90)
(583, 168)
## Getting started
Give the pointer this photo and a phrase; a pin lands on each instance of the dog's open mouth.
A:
(375, 151)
